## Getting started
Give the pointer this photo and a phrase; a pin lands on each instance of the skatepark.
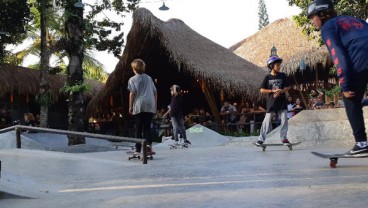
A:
(215, 171)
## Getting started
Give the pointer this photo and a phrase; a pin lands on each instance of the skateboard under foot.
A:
(139, 156)
(335, 157)
(176, 146)
(290, 145)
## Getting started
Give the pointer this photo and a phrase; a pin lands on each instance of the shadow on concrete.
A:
(5, 195)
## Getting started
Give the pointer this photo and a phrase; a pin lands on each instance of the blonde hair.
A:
(138, 65)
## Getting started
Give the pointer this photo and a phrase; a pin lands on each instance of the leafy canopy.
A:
(356, 8)
(100, 31)
(14, 16)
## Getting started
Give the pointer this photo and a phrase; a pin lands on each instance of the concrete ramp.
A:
(200, 136)
(53, 142)
(326, 127)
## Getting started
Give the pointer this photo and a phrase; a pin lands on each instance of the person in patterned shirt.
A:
(346, 38)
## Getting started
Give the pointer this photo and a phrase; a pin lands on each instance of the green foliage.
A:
(356, 8)
(333, 91)
(262, 14)
(55, 29)
(332, 70)
(80, 87)
(98, 27)
(44, 99)
(14, 16)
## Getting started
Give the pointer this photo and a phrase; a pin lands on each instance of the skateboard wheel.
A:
(333, 162)
(264, 149)
(290, 147)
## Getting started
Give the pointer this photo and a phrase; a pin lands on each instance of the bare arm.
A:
(266, 91)
(167, 112)
(155, 94)
(131, 99)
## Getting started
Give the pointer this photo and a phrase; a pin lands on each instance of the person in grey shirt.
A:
(142, 103)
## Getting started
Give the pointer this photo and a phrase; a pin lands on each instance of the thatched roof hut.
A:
(292, 45)
(176, 54)
(21, 80)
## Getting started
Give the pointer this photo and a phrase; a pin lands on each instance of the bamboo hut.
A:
(176, 54)
(294, 48)
(20, 85)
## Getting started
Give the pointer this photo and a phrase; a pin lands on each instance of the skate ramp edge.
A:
(6, 195)
(200, 136)
(54, 142)
(326, 127)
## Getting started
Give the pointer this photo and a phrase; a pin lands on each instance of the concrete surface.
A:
(215, 171)
(220, 176)
(326, 127)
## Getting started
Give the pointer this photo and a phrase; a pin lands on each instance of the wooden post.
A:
(211, 102)
(18, 141)
(316, 88)
(301, 94)
(144, 146)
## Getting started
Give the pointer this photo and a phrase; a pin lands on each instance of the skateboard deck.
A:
(176, 146)
(334, 157)
(264, 146)
(135, 155)
(122, 146)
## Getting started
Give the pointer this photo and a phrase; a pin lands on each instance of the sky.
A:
(225, 22)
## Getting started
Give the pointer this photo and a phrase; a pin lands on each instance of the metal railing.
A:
(19, 128)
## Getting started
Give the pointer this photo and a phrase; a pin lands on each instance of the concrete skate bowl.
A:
(5, 195)
(199, 136)
(56, 142)
(326, 127)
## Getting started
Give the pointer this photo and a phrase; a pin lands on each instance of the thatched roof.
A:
(173, 46)
(23, 80)
(292, 45)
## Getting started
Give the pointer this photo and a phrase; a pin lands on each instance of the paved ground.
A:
(218, 176)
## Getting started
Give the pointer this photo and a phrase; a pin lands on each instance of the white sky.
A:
(225, 22)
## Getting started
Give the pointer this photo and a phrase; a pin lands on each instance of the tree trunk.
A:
(75, 51)
(44, 83)
(2, 51)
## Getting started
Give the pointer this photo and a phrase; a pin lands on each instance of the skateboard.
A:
(122, 146)
(135, 155)
(176, 146)
(290, 145)
(334, 157)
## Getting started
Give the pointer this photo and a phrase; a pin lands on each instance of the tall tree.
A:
(45, 59)
(81, 33)
(14, 16)
(262, 15)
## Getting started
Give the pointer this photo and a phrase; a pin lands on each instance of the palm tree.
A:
(80, 34)
(44, 45)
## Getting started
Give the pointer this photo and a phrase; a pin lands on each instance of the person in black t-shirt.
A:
(274, 85)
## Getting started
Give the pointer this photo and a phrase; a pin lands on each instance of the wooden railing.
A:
(19, 128)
